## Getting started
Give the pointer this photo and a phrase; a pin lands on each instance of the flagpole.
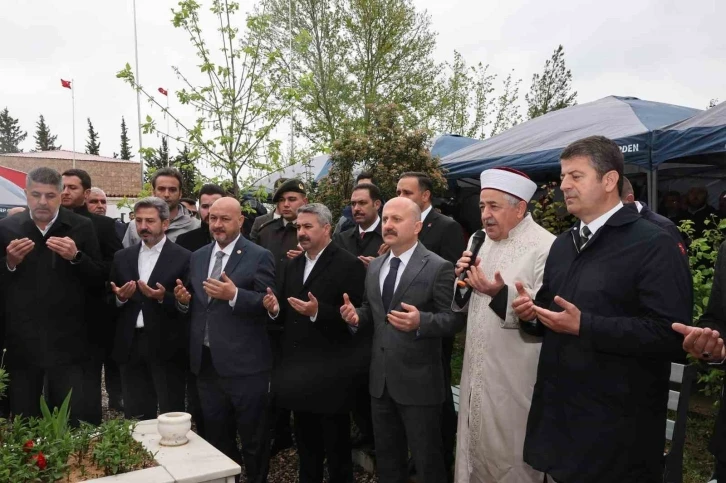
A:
(138, 100)
(73, 110)
(167, 128)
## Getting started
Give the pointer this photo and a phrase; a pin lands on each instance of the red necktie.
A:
(362, 235)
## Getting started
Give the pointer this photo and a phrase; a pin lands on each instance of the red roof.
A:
(13, 175)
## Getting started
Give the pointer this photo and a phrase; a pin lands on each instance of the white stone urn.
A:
(173, 428)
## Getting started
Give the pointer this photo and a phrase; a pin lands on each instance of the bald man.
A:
(229, 349)
(408, 307)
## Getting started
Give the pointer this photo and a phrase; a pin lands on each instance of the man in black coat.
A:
(279, 236)
(605, 314)
(445, 237)
(49, 270)
(365, 242)
(151, 334)
(628, 199)
(315, 376)
(229, 350)
(76, 189)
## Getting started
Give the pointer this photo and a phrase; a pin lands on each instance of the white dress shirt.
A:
(639, 206)
(600, 221)
(47, 227)
(426, 212)
(370, 228)
(405, 258)
(227, 253)
(147, 261)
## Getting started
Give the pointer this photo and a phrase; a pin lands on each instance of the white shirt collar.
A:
(639, 206)
(426, 212)
(47, 227)
(275, 215)
(313, 260)
(227, 250)
(155, 248)
(600, 221)
(405, 256)
(370, 228)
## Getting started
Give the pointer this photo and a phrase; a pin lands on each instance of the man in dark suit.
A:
(76, 189)
(445, 237)
(229, 349)
(47, 274)
(316, 372)
(150, 332)
(365, 242)
(193, 241)
(407, 303)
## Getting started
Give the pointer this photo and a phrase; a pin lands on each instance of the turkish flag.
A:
(66, 84)
(163, 91)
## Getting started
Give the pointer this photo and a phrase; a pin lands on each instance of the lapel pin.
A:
(429, 225)
(239, 251)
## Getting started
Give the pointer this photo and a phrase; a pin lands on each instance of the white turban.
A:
(509, 181)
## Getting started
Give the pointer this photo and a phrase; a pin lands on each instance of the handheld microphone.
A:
(476, 242)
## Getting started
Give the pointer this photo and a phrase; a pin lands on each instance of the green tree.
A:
(125, 143)
(506, 107)
(465, 101)
(44, 140)
(241, 100)
(10, 133)
(156, 159)
(93, 144)
(387, 150)
(160, 158)
(552, 89)
(348, 55)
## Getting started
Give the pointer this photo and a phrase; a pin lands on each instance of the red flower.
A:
(28, 446)
(40, 460)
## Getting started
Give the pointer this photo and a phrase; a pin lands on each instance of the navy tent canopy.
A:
(535, 146)
(450, 143)
(702, 134)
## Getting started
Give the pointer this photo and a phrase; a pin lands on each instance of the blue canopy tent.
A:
(450, 143)
(535, 146)
(312, 171)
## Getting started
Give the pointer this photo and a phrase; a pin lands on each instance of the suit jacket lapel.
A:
(428, 223)
(203, 269)
(415, 265)
(164, 259)
(238, 252)
(374, 271)
(135, 265)
(325, 258)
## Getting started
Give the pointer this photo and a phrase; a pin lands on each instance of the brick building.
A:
(119, 178)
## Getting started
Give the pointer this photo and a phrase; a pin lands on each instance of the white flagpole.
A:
(73, 102)
(167, 130)
(138, 101)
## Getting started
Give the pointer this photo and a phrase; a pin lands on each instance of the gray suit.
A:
(407, 376)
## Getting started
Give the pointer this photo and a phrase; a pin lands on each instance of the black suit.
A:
(233, 372)
(367, 246)
(45, 302)
(100, 327)
(315, 377)
(149, 357)
(445, 237)
(195, 239)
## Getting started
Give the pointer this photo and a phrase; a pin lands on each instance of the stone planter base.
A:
(195, 462)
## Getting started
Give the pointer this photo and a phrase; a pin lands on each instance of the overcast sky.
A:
(659, 50)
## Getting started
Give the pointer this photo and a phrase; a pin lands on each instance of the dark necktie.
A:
(216, 273)
(389, 284)
(362, 235)
(584, 236)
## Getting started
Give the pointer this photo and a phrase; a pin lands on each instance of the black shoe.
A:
(280, 444)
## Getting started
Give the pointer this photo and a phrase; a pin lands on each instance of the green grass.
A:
(697, 461)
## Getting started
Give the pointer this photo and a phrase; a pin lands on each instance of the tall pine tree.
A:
(156, 159)
(44, 140)
(10, 133)
(125, 143)
(93, 144)
(550, 90)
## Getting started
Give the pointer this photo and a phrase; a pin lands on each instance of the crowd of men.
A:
(299, 317)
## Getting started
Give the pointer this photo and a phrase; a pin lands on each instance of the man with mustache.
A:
(605, 315)
(445, 237)
(229, 350)
(500, 362)
(166, 184)
(316, 372)
(366, 242)
(407, 305)
(49, 271)
(151, 338)
(76, 189)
